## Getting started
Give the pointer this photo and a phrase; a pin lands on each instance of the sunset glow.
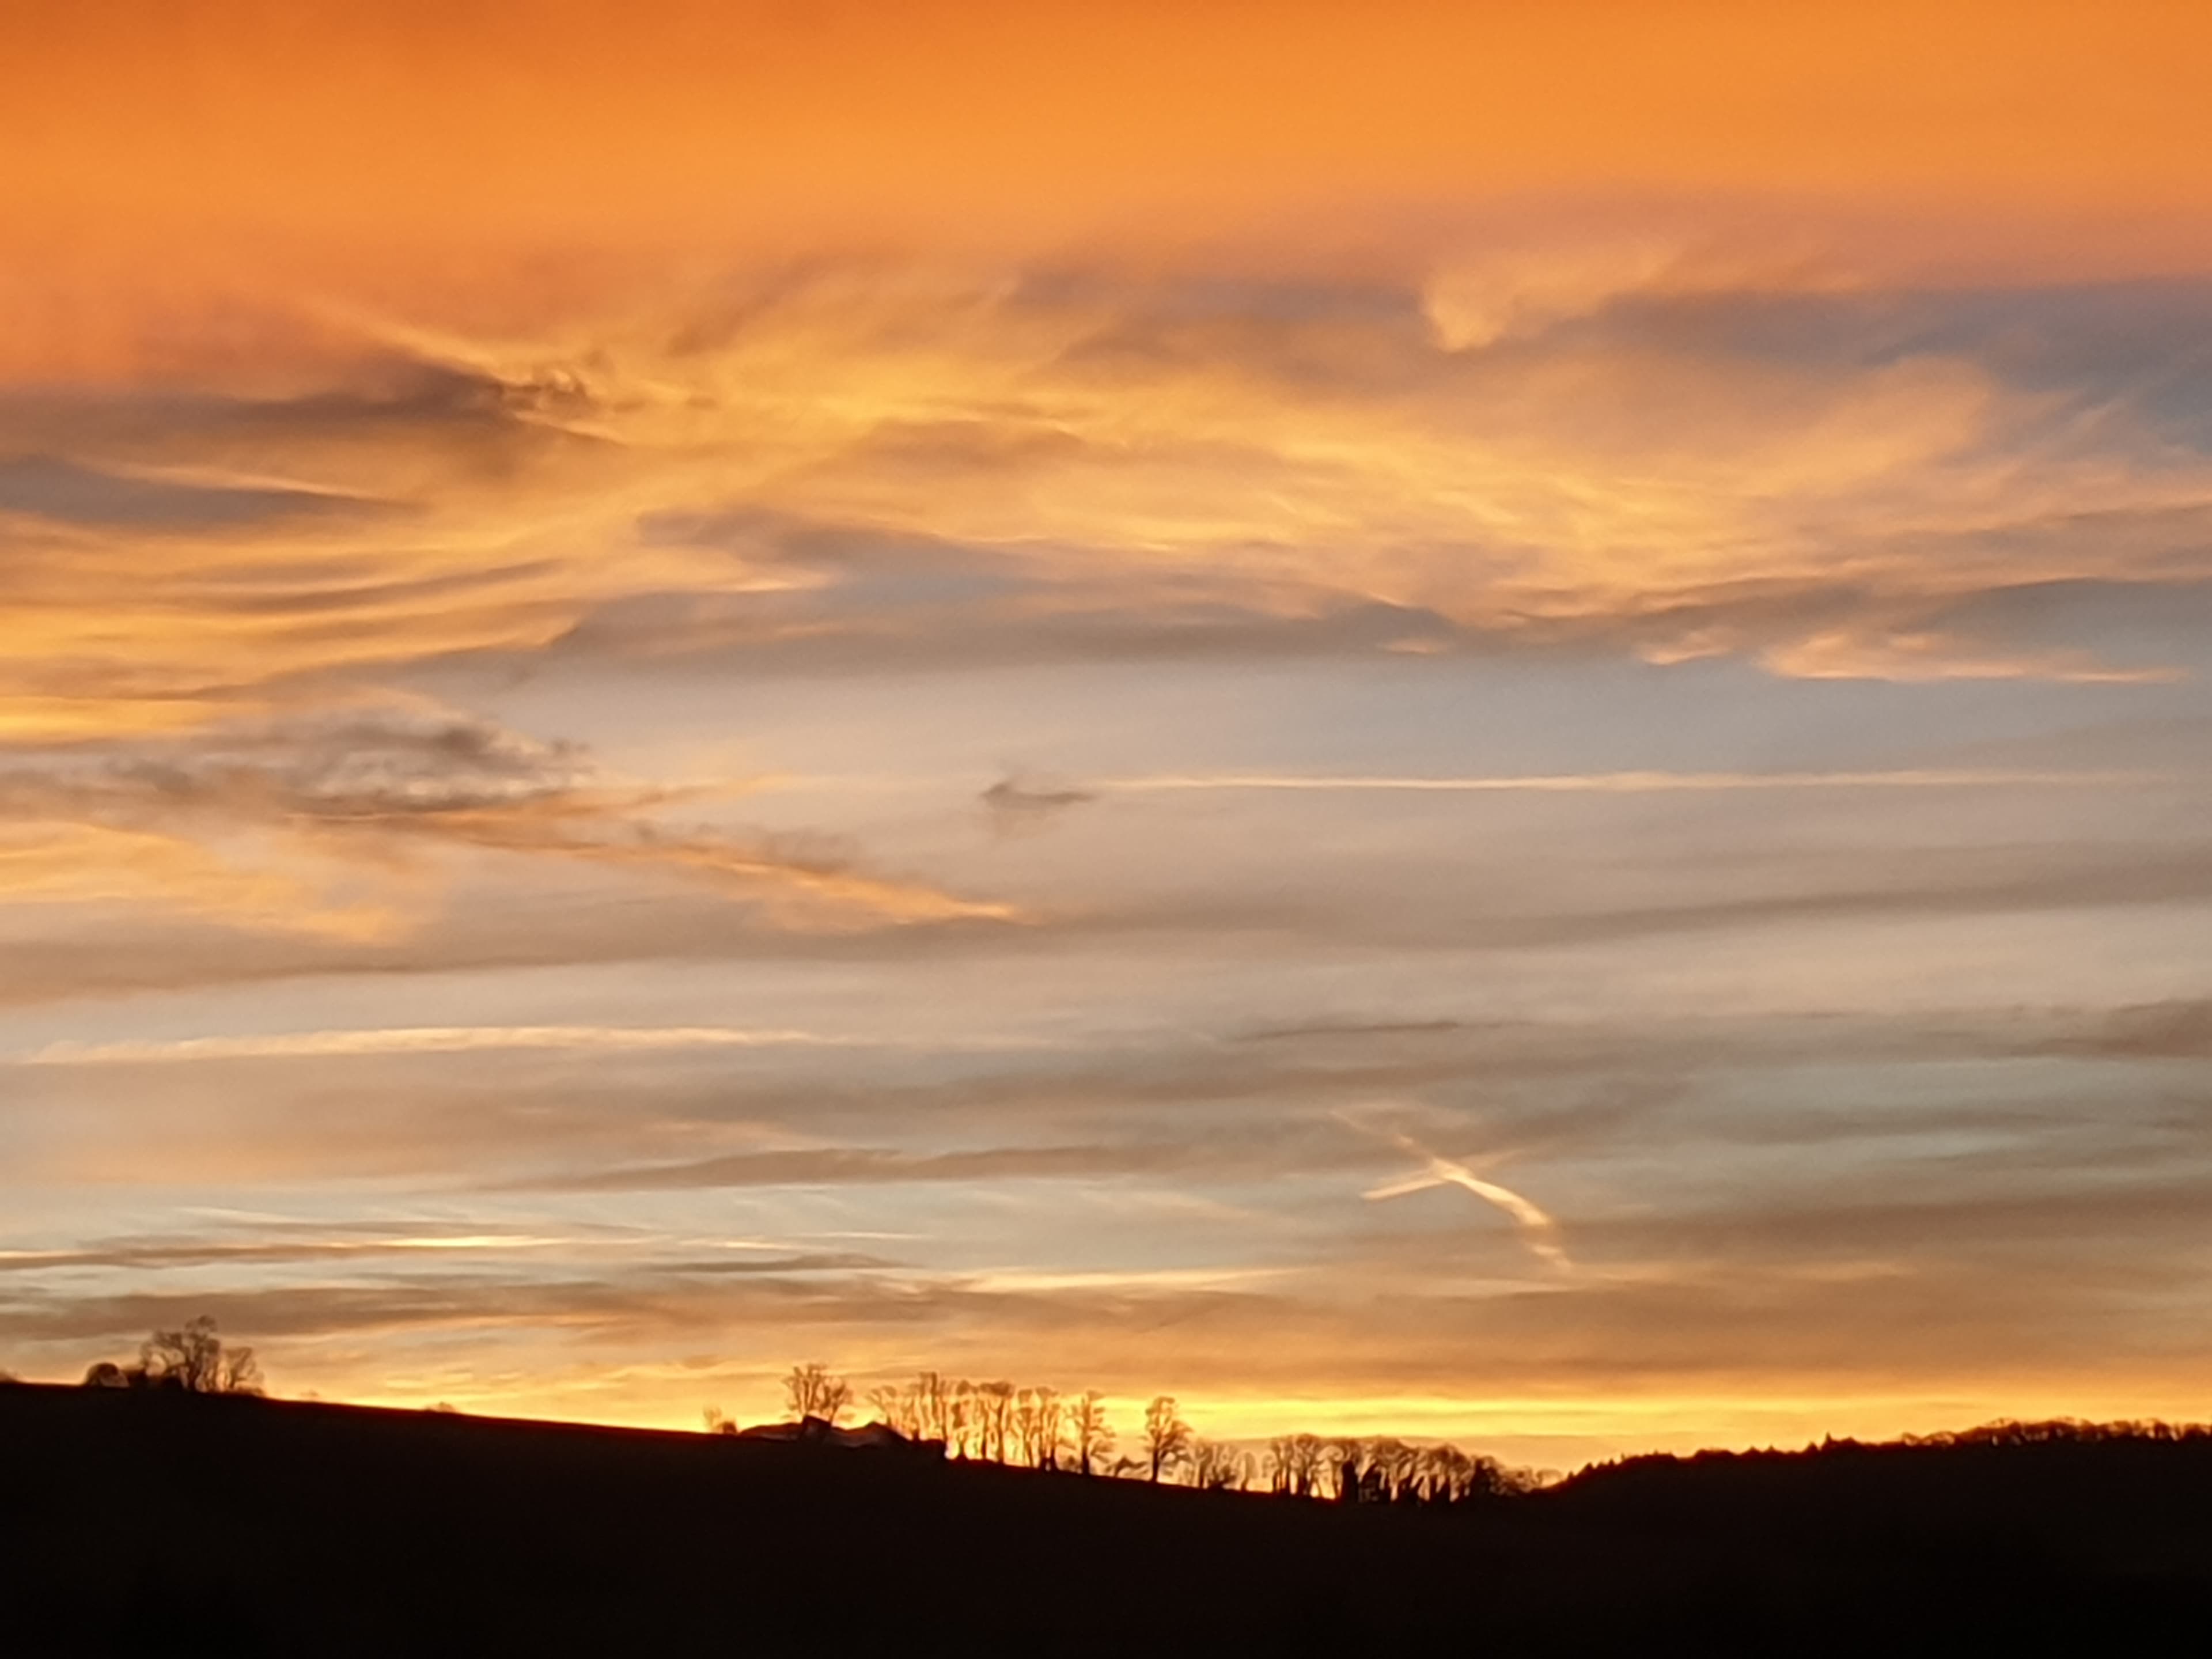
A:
(1480, 720)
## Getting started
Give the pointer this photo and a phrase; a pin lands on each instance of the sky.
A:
(1484, 721)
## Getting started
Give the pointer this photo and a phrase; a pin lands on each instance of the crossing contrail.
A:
(1539, 1231)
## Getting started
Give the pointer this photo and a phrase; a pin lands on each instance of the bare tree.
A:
(1293, 1463)
(1213, 1466)
(995, 1405)
(1393, 1467)
(932, 1417)
(963, 1419)
(810, 1391)
(1040, 1427)
(1447, 1473)
(1167, 1436)
(195, 1360)
(1090, 1437)
(1347, 1458)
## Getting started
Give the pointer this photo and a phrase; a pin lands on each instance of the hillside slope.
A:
(134, 1523)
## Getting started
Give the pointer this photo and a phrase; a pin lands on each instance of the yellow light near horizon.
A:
(1800, 1411)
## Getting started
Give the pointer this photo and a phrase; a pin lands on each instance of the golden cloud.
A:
(1067, 447)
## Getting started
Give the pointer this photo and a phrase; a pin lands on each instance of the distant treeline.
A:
(2061, 1430)
(2004, 1432)
(1041, 1428)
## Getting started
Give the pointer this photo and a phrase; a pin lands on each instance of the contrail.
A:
(1627, 783)
(1539, 1231)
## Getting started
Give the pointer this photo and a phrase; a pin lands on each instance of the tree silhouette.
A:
(1294, 1465)
(1447, 1475)
(1040, 1427)
(810, 1391)
(933, 1410)
(193, 1359)
(1167, 1436)
(994, 1418)
(1215, 1467)
(1090, 1437)
(960, 1420)
(1345, 1456)
(1393, 1466)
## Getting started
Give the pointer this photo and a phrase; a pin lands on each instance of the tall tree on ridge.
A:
(1167, 1436)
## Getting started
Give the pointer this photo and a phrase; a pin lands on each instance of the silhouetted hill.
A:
(136, 1523)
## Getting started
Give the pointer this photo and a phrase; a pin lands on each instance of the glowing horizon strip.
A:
(1628, 782)
(1019, 1279)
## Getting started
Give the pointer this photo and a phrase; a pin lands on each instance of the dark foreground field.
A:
(151, 1523)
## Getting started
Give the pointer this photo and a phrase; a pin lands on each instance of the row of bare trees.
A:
(993, 1422)
(1378, 1469)
(1041, 1428)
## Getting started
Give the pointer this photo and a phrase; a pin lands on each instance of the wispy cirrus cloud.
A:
(888, 458)
(427, 1040)
(351, 794)
(65, 492)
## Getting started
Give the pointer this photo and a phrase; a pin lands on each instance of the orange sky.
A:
(586, 120)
